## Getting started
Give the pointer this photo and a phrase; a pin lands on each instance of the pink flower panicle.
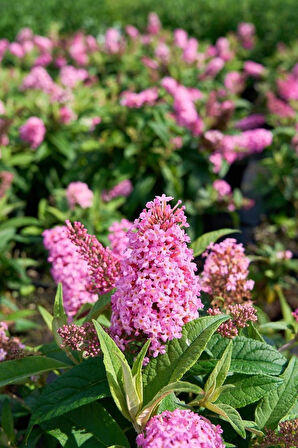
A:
(10, 347)
(180, 429)
(69, 268)
(250, 122)
(279, 107)
(79, 193)
(285, 436)
(154, 24)
(137, 100)
(157, 291)
(103, 264)
(241, 315)
(80, 338)
(118, 236)
(246, 35)
(225, 273)
(254, 69)
(124, 188)
(33, 132)
(6, 178)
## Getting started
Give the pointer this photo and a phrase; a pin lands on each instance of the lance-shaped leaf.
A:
(47, 317)
(19, 369)
(60, 317)
(201, 243)
(114, 369)
(132, 398)
(178, 386)
(278, 402)
(137, 370)
(248, 389)
(230, 415)
(219, 373)
(180, 355)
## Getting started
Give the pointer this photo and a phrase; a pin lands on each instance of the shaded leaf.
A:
(200, 244)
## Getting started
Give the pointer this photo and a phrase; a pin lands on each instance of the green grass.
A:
(275, 20)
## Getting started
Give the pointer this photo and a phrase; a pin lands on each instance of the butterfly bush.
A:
(180, 429)
(69, 268)
(79, 193)
(157, 291)
(81, 338)
(225, 273)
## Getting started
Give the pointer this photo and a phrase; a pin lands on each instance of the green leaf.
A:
(200, 244)
(178, 386)
(180, 355)
(278, 402)
(220, 372)
(47, 317)
(60, 317)
(249, 356)
(7, 420)
(89, 426)
(137, 370)
(230, 415)
(132, 399)
(83, 384)
(19, 369)
(114, 368)
(248, 390)
(99, 306)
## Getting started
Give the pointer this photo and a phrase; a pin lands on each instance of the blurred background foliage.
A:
(275, 20)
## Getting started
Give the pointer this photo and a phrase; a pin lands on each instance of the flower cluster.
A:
(225, 273)
(241, 314)
(79, 193)
(6, 178)
(118, 236)
(157, 291)
(180, 429)
(10, 347)
(286, 436)
(33, 132)
(103, 264)
(69, 268)
(137, 100)
(284, 254)
(81, 338)
(124, 188)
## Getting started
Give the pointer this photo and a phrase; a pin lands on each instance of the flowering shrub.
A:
(156, 337)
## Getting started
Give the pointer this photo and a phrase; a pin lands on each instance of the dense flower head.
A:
(137, 100)
(213, 67)
(103, 264)
(6, 178)
(241, 315)
(124, 188)
(234, 81)
(70, 76)
(154, 24)
(132, 31)
(33, 132)
(279, 107)
(254, 69)
(82, 338)
(157, 291)
(79, 193)
(118, 236)
(10, 347)
(190, 51)
(222, 187)
(288, 88)
(180, 38)
(113, 41)
(66, 115)
(185, 111)
(250, 122)
(38, 79)
(180, 429)
(69, 268)
(225, 273)
(246, 35)
(285, 436)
